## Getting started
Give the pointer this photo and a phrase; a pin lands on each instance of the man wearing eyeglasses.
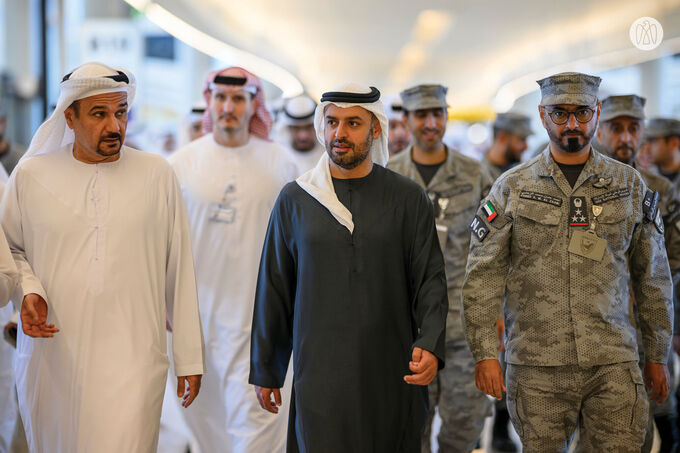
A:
(570, 231)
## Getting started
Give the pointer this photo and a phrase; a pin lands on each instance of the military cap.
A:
(662, 127)
(628, 105)
(513, 122)
(424, 97)
(569, 88)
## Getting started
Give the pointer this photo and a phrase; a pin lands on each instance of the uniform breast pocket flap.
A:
(542, 213)
(616, 211)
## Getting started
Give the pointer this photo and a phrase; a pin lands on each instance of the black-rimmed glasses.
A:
(582, 115)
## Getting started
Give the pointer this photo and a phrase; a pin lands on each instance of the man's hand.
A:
(424, 365)
(188, 388)
(264, 396)
(34, 317)
(489, 378)
(500, 330)
(657, 380)
(676, 343)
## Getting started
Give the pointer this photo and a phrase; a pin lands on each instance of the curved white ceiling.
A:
(476, 47)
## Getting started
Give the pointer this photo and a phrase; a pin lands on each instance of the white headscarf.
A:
(317, 182)
(90, 79)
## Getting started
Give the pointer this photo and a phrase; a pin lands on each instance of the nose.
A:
(112, 124)
(430, 121)
(571, 121)
(341, 130)
(228, 105)
(627, 137)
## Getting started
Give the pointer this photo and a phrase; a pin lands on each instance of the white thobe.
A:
(107, 246)
(229, 193)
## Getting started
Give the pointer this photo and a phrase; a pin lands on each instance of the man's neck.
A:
(360, 171)
(565, 158)
(672, 164)
(496, 155)
(82, 155)
(4, 146)
(231, 139)
(429, 157)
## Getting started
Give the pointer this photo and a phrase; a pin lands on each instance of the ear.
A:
(69, 114)
(598, 109)
(674, 142)
(255, 104)
(377, 129)
(543, 115)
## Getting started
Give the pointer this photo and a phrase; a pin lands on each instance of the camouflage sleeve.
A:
(651, 281)
(672, 238)
(486, 180)
(487, 269)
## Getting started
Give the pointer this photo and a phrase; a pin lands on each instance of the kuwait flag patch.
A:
(490, 211)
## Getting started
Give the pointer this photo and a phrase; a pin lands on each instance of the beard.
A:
(624, 153)
(573, 144)
(354, 157)
(511, 156)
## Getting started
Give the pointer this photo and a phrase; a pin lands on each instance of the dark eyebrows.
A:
(103, 107)
(351, 118)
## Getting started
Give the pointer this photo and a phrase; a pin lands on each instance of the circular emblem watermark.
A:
(646, 33)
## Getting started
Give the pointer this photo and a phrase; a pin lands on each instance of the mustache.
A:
(572, 132)
(624, 146)
(342, 141)
(229, 116)
(111, 136)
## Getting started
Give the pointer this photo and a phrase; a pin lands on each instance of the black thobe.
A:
(351, 307)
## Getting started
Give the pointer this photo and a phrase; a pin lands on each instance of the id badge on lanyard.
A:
(223, 212)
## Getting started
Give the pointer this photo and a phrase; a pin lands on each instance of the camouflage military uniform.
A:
(456, 190)
(570, 334)
(493, 170)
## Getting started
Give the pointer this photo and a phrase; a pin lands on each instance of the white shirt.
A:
(107, 246)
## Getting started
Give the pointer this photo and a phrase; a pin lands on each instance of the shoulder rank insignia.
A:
(578, 212)
(650, 204)
(602, 183)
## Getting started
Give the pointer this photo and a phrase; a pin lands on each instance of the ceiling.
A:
(487, 52)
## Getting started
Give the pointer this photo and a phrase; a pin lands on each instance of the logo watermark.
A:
(646, 33)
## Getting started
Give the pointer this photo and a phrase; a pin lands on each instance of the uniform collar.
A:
(593, 168)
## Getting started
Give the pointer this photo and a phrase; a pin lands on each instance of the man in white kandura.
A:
(100, 236)
(230, 179)
(296, 131)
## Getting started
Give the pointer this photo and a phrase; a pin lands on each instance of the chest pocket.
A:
(615, 224)
(536, 225)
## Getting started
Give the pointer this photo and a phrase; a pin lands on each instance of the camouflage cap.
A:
(662, 127)
(569, 88)
(422, 97)
(515, 123)
(628, 105)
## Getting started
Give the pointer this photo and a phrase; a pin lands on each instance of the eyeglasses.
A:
(582, 115)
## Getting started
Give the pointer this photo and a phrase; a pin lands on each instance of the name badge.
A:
(223, 214)
(587, 244)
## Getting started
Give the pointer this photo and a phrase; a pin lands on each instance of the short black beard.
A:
(360, 153)
(510, 156)
(572, 145)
